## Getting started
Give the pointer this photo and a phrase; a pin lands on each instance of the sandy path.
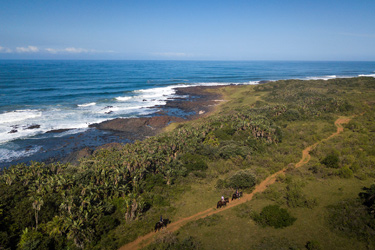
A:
(142, 241)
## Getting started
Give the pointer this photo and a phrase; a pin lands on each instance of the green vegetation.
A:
(118, 194)
(274, 216)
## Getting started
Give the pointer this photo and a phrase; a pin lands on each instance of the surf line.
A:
(144, 240)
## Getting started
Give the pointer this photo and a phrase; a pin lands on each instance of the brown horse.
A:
(221, 203)
(236, 196)
(159, 225)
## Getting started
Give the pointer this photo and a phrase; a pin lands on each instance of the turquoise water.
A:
(50, 95)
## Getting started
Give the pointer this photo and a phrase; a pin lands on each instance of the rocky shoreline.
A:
(191, 103)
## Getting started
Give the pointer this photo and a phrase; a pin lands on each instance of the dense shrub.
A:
(32, 239)
(224, 133)
(291, 115)
(313, 245)
(331, 160)
(351, 218)
(345, 106)
(368, 198)
(241, 179)
(193, 162)
(274, 216)
(345, 172)
(232, 149)
(211, 140)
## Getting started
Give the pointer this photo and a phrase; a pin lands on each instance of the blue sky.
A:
(188, 30)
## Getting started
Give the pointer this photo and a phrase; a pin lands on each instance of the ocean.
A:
(46, 106)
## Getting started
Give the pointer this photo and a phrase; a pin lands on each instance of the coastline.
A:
(190, 103)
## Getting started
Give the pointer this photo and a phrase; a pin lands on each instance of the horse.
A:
(221, 203)
(236, 196)
(226, 199)
(159, 225)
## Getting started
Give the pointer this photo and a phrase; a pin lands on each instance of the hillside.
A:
(119, 194)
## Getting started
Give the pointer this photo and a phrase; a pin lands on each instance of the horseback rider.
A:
(237, 194)
(161, 219)
(222, 198)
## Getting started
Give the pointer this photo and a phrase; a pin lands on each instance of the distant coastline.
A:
(47, 107)
(190, 103)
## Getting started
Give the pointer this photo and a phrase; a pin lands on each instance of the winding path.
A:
(142, 241)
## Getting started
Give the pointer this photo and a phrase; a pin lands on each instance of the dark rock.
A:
(34, 126)
(13, 131)
(57, 131)
(137, 128)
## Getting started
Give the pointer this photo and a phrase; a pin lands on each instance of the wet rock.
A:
(57, 131)
(141, 127)
(34, 126)
(13, 131)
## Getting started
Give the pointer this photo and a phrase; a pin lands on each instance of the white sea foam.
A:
(87, 104)
(322, 77)
(19, 115)
(123, 98)
(367, 75)
(8, 155)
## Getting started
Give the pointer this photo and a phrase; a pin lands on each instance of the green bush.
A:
(313, 245)
(220, 183)
(346, 106)
(241, 179)
(193, 162)
(345, 172)
(274, 216)
(224, 133)
(232, 149)
(291, 115)
(351, 218)
(32, 239)
(331, 160)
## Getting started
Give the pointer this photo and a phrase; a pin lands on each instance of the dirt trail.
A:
(143, 241)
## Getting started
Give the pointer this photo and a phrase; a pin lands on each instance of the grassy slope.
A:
(228, 231)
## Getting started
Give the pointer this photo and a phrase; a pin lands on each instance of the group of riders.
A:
(236, 195)
(163, 222)
(223, 202)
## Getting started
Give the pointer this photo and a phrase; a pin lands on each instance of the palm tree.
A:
(37, 204)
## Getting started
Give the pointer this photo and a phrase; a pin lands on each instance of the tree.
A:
(37, 204)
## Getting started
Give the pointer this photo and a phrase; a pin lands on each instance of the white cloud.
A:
(29, 49)
(34, 49)
(5, 50)
(52, 51)
(74, 50)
